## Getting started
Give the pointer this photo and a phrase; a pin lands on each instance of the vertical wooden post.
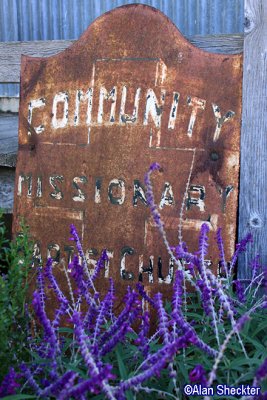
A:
(253, 168)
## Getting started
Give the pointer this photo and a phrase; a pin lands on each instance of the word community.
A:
(62, 116)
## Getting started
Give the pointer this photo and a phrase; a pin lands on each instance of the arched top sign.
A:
(130, 92)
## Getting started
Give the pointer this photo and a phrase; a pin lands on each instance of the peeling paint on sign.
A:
(94, 118)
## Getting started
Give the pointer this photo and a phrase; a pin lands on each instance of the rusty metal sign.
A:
(130, 92)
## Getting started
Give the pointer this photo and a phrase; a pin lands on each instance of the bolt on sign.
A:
(130, 92)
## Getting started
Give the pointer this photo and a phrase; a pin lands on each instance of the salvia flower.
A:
(188, 329)
(197, 375)
(77, 273)
(76, 237)
(205, 296)
(10, 383)
(98, 330)
(255, 266)
(154, 167)
(30, 378)
(130, 299)
(41, 285)
(142, 339)
(177, 298)
(104, 309)
(159, 361)
(221, 252)
(240, 247)
(240, 292)
(261, 372)
(84, 344)
(144, 295)
(163, 319)
(49, 331)
(99, 265)
(60, 384)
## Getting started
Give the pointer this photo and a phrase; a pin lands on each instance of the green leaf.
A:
(66, 330)
(122, 367)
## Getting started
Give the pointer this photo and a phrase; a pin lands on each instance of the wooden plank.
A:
(10, 52)
(9, 104)
(8, 139)
(7, 183)
(228, 44)
(253, 172)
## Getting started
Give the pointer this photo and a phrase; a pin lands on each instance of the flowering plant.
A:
(15, 261)
(213, 335)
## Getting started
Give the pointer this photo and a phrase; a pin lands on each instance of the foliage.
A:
(15, 261)
(82, 349)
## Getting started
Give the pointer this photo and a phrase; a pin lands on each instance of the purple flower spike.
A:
(142, 340)
(60, 384)
(104, 309)
(240, 247)
(29, 376)
(177, 299)
(163, 319)
(262, 371)
(221, 251)
(197, 375)
(83, 341)
(115, 339)
(64, 304)
(49, 330)
(53, 282)
(256, 266)
(41, 285)
(240, 291)
(188, 329)
(205, 296)
(155, 364)
(77, 272)
(154, 167)
(143, 294)
(203, 241)
(9, 383)
(99, 265)
(130, 312)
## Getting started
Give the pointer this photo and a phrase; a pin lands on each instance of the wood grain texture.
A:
(7, 182)
(10, 52)
(8, 139)
(253, 167)
(10, 55)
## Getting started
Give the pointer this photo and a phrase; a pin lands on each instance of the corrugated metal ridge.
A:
(64, 19)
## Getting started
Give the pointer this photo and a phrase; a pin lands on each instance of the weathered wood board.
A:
(253, 172)
(130, 92)
(11, 51)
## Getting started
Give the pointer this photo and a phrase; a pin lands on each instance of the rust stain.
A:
(95, 117)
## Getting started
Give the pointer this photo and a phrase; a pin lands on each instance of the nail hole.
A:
(255, 221)
(247, 23)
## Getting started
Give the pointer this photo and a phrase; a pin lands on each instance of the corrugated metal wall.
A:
(67, 19)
